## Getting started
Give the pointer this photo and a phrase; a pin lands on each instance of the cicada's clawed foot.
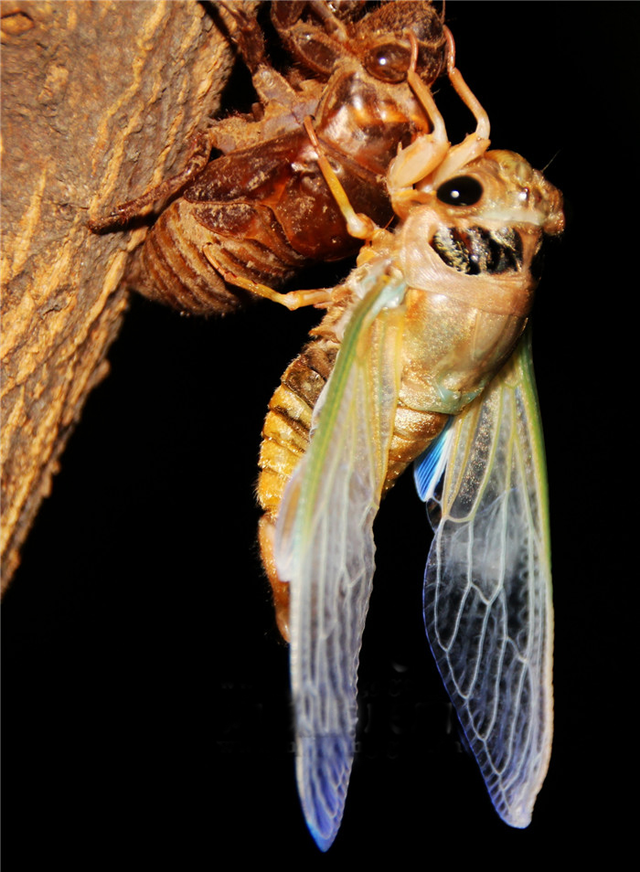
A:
(360, 226)
(197, 158)
(319, 297)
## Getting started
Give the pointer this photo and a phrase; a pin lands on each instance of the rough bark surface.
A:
(99, 101)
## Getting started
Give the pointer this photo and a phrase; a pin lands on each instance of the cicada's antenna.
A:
(550, 161)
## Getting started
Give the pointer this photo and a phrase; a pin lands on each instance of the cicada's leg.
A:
(430, 159)
(293, 300)
(360, 226)
(426, 153)
(197, 158)
(475, 144)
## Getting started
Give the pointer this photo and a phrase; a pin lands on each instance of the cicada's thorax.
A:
(471, 277)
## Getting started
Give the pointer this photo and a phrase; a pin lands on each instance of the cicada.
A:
(424, 355)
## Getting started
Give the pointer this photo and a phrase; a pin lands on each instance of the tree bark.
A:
(99, 102)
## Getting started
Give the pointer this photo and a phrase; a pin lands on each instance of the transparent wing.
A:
(324, 548)
(487, 596)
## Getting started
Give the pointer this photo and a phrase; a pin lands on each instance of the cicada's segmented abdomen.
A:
(285, 438)
(171, 267)
(176, 264)
(286, 428)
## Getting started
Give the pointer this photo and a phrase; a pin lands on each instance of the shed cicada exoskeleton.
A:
(423, 355)
(261, 212)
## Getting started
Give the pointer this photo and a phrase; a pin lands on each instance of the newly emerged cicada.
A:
(261, 212)
(424, 355)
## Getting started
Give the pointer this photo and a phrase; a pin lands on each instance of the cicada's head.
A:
(500, 189)
(491, 217)
(485, 225)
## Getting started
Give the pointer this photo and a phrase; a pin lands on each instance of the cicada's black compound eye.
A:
(460, 191)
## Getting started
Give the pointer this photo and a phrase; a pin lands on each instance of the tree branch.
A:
(99, 102)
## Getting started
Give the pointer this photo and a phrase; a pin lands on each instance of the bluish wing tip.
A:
(323, 842)
(323, 768)
(323, 828)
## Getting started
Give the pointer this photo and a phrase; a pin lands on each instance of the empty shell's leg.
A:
(197, 158)
(293, 300)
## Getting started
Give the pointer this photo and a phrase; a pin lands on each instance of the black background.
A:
(146, 700)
